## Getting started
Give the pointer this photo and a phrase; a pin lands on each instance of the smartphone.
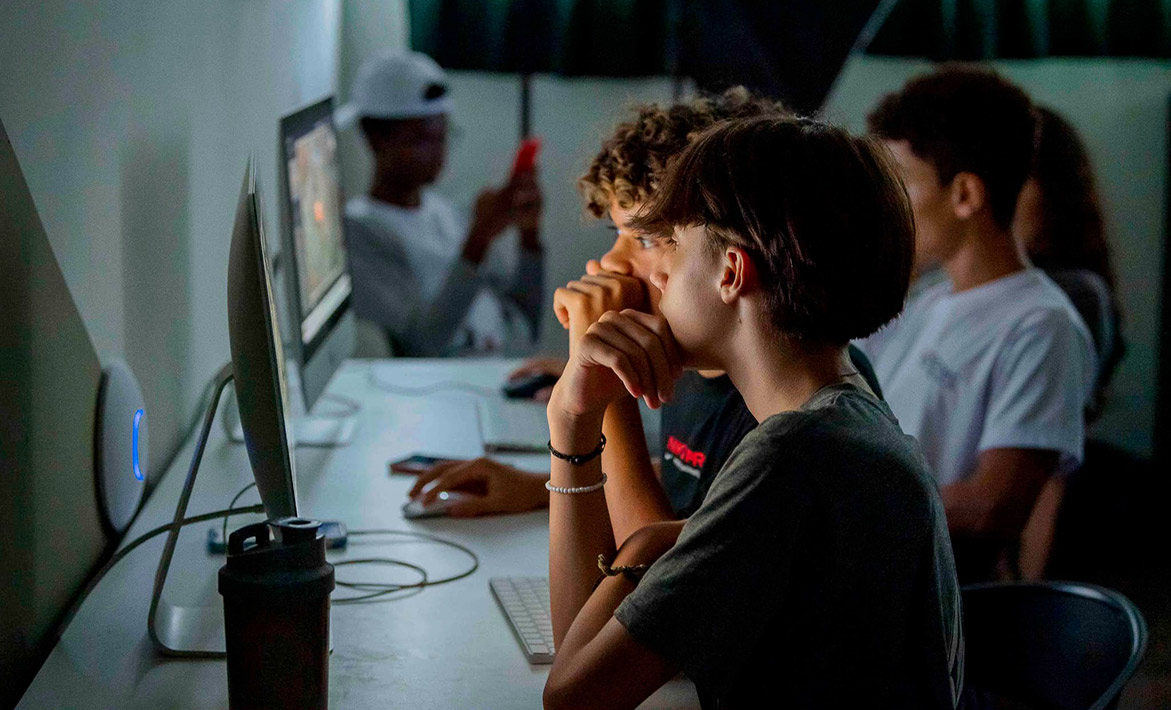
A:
(334, 531)
(415, 464)
(526, 156)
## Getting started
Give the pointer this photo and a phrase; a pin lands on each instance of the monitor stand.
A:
(311, 430)
(191, 631)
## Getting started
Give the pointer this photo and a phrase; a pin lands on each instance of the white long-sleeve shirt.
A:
(409, 277)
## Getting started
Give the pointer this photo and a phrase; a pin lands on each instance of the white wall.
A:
(132, 122)
(1120, 108)
(368, 26)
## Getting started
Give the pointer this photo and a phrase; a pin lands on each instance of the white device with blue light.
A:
(122, 445)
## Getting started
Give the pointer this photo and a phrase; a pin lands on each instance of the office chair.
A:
(1051, 645)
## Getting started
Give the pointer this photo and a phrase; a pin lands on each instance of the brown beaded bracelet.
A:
(632, 572)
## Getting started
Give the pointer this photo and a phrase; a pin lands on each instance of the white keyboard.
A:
(525, 602)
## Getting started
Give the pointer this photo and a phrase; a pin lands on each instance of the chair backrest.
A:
(1060, 645)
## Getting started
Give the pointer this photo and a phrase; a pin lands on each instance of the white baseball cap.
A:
(396, 84)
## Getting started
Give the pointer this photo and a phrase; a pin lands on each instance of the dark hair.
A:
(634, 158)
(1071, 235)
(965, 119)
(821, 213)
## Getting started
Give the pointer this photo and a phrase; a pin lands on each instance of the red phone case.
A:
(526, 156)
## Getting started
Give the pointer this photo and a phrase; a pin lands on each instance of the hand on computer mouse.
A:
(537, 367)
(496, 488)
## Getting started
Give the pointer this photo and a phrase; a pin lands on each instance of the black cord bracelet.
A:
(579, 459)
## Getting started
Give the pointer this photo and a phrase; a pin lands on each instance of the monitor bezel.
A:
(251, 303)
(297, 123)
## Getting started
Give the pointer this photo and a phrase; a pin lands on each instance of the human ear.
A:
(968, 195)
(736, 273)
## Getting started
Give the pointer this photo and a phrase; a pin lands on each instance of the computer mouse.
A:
(527, 386)
(414, 509)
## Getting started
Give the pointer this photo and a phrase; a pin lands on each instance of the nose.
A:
(617, 261)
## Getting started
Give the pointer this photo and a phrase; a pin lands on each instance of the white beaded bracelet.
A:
(579, 489)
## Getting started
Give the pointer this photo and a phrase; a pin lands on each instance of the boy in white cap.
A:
(436, 284)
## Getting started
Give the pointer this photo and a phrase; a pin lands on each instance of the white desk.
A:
(445, 647)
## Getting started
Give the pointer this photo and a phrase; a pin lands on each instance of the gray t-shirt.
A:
(818, 571)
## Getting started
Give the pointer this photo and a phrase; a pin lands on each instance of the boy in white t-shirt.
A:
(436, 284)
(991, 369)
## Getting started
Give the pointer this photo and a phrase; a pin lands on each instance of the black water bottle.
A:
(276, 616)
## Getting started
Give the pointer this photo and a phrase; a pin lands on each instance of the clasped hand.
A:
(627, 352)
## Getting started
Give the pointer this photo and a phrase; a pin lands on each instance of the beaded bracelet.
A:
(579, 459)
(578, 489)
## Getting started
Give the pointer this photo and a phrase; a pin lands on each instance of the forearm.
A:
(634, 496)
(579, 525)
(968, 512)
(586, 671)
(975, 510)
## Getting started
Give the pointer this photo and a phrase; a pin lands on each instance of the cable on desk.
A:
(138, 542)
(377, 590)
(352, 406)
(424, 390)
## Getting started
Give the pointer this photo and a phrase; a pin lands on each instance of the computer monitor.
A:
(317, 282)
(258, 361)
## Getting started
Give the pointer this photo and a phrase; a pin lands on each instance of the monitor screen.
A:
(313, 205)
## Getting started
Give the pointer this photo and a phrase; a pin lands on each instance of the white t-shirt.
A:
(409, 277)
(1008, 364)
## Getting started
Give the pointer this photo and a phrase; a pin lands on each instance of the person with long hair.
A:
(1059, 225)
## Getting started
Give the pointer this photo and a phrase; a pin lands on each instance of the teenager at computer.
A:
(817, 570)
(708, 417)
(437, 284)
(991, 369)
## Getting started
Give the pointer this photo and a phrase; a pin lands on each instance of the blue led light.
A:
(134, 444)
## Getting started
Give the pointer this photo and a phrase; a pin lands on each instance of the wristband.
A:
(579, 459)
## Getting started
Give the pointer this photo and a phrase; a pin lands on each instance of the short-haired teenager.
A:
(817, 570)
(708, 417)
(436, 282)
(991, 369)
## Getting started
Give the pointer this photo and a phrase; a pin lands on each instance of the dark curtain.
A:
(791, 49)
(992, 29)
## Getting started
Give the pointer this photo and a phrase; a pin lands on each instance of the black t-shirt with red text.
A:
(701, 426)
